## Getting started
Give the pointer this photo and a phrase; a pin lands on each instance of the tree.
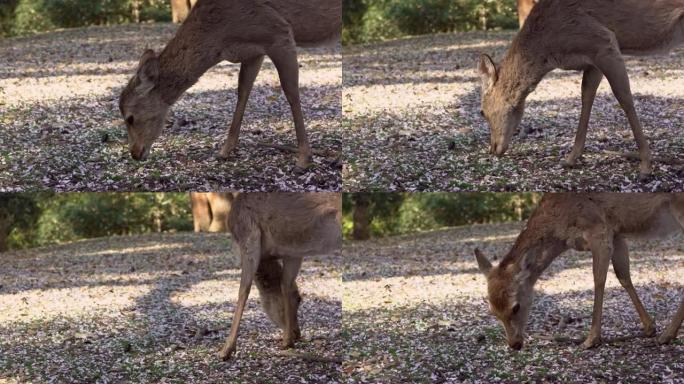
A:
(361, 216)
(210, 211)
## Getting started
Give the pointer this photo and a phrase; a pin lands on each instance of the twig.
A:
(635, 156)
(308, 356)
(287, 148)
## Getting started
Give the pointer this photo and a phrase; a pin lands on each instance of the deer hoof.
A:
(591, 343)
(569, 163)
(650, 330)
(226, 353)
(645, 177)
(665, 339)
(287, 344)
(298, 170)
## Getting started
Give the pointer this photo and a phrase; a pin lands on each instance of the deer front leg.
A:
(291, 268)
(612, 65)
(248, 72)
(590, 82)
(671, 332)
(601, 250)
(250, 254)
(620, 260)
(284, 57)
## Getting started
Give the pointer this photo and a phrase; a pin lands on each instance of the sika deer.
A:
(271, 229)
(587, 35)
(586, 222)
(240, 31)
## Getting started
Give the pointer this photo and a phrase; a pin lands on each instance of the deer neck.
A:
(182, 63)
(533, 252)
(520, 72)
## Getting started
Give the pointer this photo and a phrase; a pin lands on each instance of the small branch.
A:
(635, 157)
(308, 356)
(287, 148)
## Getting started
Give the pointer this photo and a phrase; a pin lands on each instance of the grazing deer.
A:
(586, 222)
(240, 31)
(587, 35)
(524, 8)
(274, 228)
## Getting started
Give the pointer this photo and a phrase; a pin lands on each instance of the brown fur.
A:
(595, 222)
(240, 31)
(274, 232)
(587, 35)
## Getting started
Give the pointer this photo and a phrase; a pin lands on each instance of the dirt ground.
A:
(155, 309)
(414, 310)
(59, 100)
(411, 114)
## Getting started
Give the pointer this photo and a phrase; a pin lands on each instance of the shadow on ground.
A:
(151, 308)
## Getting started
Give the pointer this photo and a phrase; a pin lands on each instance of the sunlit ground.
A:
(59, 96)
(414, 309)
(150, 308)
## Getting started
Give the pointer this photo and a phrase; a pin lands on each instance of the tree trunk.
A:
(5, 228)
(180, 9)
(210, 211)
(361, 216)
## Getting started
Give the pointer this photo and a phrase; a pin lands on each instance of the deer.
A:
(524, 8)
(586, 35)
(273, 233)
(239, 31)
(599, 223)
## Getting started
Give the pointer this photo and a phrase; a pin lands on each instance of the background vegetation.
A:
(383, 214)
(372, 20)
(28, 220)
(22, 17)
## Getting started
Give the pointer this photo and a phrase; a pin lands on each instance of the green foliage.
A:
(411, 212)
(55, 218)
(372, 20)
(18, 216)
(22, 17)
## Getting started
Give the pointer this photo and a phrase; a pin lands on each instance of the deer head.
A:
(509, 296)
(142, 107)
(502, 115)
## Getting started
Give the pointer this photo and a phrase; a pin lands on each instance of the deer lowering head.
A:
(502, 112)
(143, 108)
(510, 296)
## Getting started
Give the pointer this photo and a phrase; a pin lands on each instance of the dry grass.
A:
(411, 108)
(59, 97)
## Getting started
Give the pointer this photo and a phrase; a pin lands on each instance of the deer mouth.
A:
(499, 149)
(140, 153)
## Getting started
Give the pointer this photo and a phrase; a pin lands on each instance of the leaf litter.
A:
(155, 308)
(59, 104)
(411, 112)
(414, 310)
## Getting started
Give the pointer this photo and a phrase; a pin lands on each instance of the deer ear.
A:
(482, 262)
(148, 71)
(487, 70)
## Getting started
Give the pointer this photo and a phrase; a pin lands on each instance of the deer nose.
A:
(517, 345)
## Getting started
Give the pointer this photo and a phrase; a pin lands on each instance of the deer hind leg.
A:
(250, 254)
(284, 57)
(671, 332)
(288, 288)
(248, 72)
(620, 260)
(610, 62)
(590, 83)
(600, 243)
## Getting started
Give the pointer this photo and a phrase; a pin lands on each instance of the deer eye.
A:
(516, 308)
(130, 120)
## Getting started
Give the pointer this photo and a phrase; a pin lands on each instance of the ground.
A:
(155, 308)
(411, 115)
(59, 113)
(414, 310)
